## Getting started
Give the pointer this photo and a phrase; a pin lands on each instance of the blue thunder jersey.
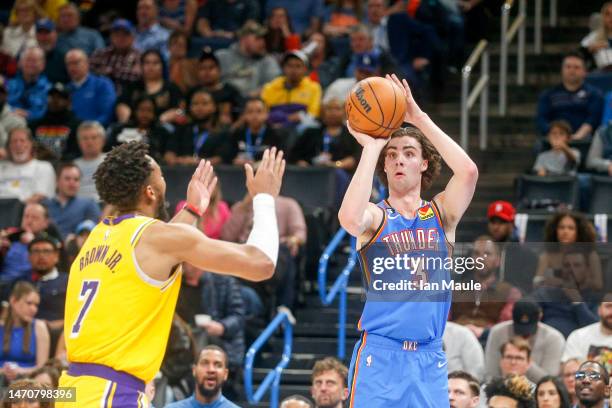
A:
(415, 312)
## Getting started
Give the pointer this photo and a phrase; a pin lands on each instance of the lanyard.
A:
(250, 148)
(199, 138)
(326, 142)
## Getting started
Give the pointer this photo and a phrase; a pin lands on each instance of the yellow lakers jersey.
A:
(116, 315)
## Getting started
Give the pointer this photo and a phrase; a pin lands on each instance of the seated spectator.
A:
(367, 65)
(249, 142)
(21, 175)
(599, 158)
(293, 98)
(500, 226)
(280, 36)
(178, 15)
(216, 215)
(8, 119)
(93, 96)
(91, 138)
(56, 130)
(120, 61)
(150, 35)
(550, 392)
(25, 339)
(74, 36)
(463, 390)
(168, 96)
(8, 63)
(512, 392)
(182, 69)
(515, 357)
(592, 380)
(227, 97)
(573, 101)
(463, 351)
(219, 20)
(47, 376)
(568, 375)
(597, 43)
(210, 372)
(324, 66)
(340, 16)
(306, 16)
(546, 343)
(47, 8)
(75, 241)
(566, 230)
(329, 386)
(560, 160)
(296, 401)
(245, 64)
(594, 341)
(67, 209)
(201, 137)
(22, 34)
(46, 36)
(27, 92)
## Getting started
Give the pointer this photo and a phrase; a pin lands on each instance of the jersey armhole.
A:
(434, 205)
(381, 227)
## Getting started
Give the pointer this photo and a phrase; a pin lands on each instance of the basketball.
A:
(376, 106)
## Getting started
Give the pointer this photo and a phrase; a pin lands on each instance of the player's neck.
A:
(145, 211)
(407, 202)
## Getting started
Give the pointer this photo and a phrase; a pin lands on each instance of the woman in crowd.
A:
(598, 44)
(324, 66)
(216, 215)
(47, 376)
(22, 34)
(551, 393)
(183, 70)
(280, 37)
(178, 14)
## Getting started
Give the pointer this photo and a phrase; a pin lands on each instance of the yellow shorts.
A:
(99, 386)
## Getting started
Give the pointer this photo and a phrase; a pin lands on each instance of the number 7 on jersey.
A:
(89, 289)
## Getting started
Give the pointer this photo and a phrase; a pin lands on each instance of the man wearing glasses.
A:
(592, 381)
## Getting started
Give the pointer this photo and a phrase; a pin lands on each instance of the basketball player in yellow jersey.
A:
(124, 283)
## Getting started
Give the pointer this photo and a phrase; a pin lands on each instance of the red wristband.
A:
(193, 210)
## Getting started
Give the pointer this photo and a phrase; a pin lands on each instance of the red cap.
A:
(501, 209)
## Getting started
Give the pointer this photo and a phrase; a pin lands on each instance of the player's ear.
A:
(345, 393)
(150, 192)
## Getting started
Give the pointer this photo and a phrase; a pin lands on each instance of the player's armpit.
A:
(371, 222)
(456, 197)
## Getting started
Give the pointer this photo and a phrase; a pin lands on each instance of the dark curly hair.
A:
(429, 153)
(123, 174)
(516, 387)
(585, 232)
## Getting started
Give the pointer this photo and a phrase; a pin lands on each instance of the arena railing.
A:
(339, 286)
(480, 89)
(272, 380)
(507, 35)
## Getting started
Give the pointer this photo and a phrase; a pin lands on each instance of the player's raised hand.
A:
(269, 175)
(201, 186)
(413, 111)
(366, 140)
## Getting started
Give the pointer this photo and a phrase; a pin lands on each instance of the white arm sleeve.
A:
(264, 235)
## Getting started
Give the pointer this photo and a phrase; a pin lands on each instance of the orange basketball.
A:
(376, 106)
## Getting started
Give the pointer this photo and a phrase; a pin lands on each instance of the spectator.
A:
(329, 387)
(216, 215)
(183, 70)
(573, 100)
(245, 64)
(560, 160)
(8, 63)
(463, 389)
(120, 61)
(210, 373)
(226, 96)
(74, 36)
(293, 98)
(249, 142)
(594, 341)
(8, 119)
(178, 15)
(599, 158)
(93, 96)
(463, 351)
(202, 137)
(377, 21)
(551, 393)
(340, 16)
(306, 16)
(568, 375)
(219, 20)
(150, 35)
(280, 36)
(25, 339)
(21, 175)
(546, 343)
(48, 8)
(324, 66)
(47, 376)
(296, 401)
(56, 130)
(515, 357)
(367, 65)
(167, 96)
(592, 381)
(46, 36)
(91, 139)
(66, 209)
(22, 35)
(500, 215)
(27, 92)
(75, 241)
(512, 392)
(597, 43)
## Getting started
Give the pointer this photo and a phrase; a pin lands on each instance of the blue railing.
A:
(272, 379)
(339, 286)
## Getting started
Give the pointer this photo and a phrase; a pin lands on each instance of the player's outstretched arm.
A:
(357, 215)
(457, 195)
(199, 191)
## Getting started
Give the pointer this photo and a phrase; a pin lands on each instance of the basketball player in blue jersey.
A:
(399, 361)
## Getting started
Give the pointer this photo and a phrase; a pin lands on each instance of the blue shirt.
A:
(300, 12)
(191, 402)
(94, 99)
(31, 96)
(67, 217)
(15, 353)
(16, 264)
(84, 38)
(153, 38)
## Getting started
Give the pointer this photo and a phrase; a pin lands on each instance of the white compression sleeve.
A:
(264, 235)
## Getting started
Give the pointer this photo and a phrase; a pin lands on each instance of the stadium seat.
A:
(551, 189)
(601, 195)
(10, 212)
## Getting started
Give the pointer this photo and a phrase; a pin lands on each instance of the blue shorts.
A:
(386, 373)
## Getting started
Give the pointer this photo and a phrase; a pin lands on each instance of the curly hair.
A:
(516, 387)
(123, 174)
(585, 232)
(428, 151)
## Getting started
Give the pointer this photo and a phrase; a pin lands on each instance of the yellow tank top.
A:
(116, 315)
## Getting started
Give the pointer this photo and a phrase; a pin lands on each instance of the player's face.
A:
(158, 183)
(548, 396)
(210, 372)
(404, 163)
(605, 314)
(567, 230)
(459, 394)
(26, 307)
(499, 401)
(589, 390)
(514, 361)
(328, 390)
